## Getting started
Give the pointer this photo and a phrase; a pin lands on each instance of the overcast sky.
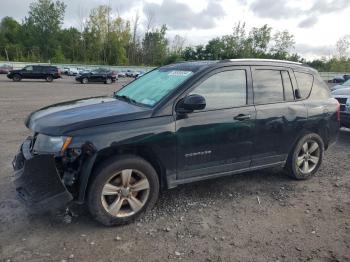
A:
(316, 24)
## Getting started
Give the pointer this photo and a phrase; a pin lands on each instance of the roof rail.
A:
(263, 60)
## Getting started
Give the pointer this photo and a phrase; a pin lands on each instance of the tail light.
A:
(338, 111)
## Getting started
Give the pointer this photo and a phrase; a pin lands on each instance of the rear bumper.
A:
(37, 181)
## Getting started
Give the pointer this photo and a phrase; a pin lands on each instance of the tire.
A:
(85, 80)
(16, 78)
(310, 149)
(108, 81)
(49, 78)
(111, 208)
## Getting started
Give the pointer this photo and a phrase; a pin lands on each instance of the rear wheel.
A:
(84, 80)
(108, 81)
(306, 158)
(122, 189)
(17, 78)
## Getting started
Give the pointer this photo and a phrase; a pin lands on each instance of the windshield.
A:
(152, 87)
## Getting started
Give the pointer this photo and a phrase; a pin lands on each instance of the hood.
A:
(59, 119)
(342, 92)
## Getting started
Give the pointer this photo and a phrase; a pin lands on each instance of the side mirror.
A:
(191, 103)
(297, 94)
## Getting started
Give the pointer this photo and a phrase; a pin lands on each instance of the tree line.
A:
(106, 39)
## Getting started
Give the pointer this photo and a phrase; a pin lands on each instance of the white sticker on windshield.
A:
(179, 73)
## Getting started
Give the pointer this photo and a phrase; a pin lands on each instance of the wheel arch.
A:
(106, 154)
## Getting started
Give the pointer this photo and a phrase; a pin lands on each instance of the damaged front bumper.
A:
(37, 180)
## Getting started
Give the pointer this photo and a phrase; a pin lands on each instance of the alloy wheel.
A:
(308, 157)
(125, 193)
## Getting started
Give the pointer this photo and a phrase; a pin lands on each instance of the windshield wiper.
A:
(127, 99)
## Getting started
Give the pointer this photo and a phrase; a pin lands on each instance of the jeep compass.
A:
(176, 124)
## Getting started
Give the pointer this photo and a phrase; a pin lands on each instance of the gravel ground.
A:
(257, 216)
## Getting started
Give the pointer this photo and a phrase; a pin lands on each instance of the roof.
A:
(195, 66)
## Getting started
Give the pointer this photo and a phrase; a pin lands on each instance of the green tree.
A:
(283, 43)
(44, 23)
(154, 46)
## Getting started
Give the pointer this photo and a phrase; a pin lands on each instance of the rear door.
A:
(219, 138)
(279, 117)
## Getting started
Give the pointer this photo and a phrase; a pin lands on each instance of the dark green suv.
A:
(177, 124)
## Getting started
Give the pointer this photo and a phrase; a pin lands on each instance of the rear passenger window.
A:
(305, 82)
(224, 90)
(288, 88)
(268, 86)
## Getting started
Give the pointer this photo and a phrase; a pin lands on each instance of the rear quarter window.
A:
(305, 82)
(319, 89)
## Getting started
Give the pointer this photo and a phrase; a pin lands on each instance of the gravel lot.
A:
(258, 216)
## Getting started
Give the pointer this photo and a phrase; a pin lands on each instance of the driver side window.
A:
(224, 90)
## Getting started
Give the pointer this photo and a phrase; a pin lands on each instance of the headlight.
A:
(51, 144)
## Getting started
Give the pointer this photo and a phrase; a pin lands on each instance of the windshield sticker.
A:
(179, 73)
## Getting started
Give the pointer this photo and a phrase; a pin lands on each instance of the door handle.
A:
(241, 117)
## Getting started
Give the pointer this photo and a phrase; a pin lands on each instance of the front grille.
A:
(341, 100)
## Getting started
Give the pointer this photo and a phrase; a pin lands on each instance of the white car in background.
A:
(346, 84)
(73, 71)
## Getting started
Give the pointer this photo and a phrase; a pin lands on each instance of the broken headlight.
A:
(51, 144)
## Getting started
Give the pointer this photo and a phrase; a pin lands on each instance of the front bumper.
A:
(37, 181)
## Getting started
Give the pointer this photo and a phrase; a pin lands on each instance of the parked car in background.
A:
(346, 84)
(129, 73)
(184, 123)
(141, 73)
(343, 97)
(84, 71)
(122, 73)
(346, 77)
(5, 69)
(99, 75)
(337, 79)
(49, 73)
(72, 71)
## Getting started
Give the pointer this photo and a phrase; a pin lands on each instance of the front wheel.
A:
(84, 80)
(122, 189)
(17, 78)
(306, 157)
(49, 78)
(108, 81)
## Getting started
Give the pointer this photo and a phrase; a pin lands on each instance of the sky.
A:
(316, 24)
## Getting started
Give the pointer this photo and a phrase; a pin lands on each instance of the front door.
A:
(219, 138)
(27, 72)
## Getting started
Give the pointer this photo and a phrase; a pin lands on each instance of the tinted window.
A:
(304, 83)
(29, 68)
(224, 90)
(268, 86)
(38, 68)
(288, 88)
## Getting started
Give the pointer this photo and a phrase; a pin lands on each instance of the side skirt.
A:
(174, 183)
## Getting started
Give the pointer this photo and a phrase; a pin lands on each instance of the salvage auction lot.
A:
(257, 216)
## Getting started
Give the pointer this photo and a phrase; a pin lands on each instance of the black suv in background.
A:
(98, 75)
(177, 124)
(49, 73)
